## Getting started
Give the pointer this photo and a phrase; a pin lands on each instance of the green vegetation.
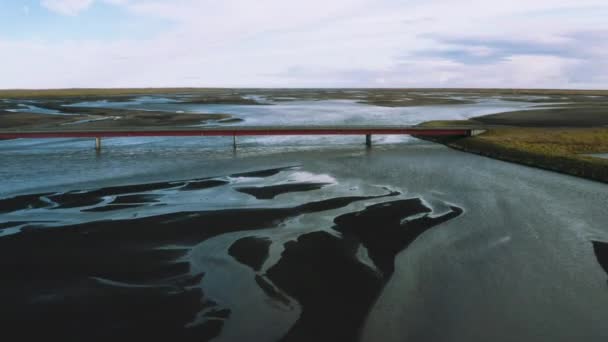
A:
(557, 137)
(557, 149)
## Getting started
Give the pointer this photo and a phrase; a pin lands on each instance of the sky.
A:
(304, 43)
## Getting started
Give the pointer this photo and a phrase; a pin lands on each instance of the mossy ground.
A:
(564, 150)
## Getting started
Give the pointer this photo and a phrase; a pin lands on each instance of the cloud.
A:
(66, 7)
(355, 43)
(479, 49)
(522, 71)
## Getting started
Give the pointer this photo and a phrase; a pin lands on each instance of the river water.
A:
(504, 252)
(71, 160)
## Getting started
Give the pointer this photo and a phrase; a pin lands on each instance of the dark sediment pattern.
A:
(229, 121)
(8, 205)
(126, 202)
(135, 199)
(128, 189)
(98, 282)
(251, 251)
(601, 253)
(337, 290)
(76, 199)
(5, 225)
(58, 265)
(262, 173)
(339, 202)
(119, 280)
(270, 290)
(270, 192)
(85, 198)
(396, 231)
(205, 184)
(116, 280)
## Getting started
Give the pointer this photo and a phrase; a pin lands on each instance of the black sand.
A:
(112, 280)
(584, 116)
(335, 289)
(601, 253)
(270, 192)
(251, 251)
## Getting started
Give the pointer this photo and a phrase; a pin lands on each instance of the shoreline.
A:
(568, 149)
(587, 169)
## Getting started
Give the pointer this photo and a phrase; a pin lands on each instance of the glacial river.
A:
(298, 238)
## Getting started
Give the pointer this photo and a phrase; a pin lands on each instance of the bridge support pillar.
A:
(234, 142)
(368, 140)
(98, 144)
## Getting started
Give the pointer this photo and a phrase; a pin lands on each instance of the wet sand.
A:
(584, 116)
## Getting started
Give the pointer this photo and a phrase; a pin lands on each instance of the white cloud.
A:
(66, 7)
(329, 43)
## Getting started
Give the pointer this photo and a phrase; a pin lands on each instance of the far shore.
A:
(78, 92)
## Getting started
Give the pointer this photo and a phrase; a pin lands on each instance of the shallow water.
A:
(599, 155)
(325, 112)
(26, 163)
(29, 108)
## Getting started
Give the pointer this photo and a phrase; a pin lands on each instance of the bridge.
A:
(236, 131)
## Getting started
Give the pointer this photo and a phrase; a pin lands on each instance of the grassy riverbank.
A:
(564, 150)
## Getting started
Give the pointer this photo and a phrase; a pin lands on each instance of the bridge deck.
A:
(234, 131)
